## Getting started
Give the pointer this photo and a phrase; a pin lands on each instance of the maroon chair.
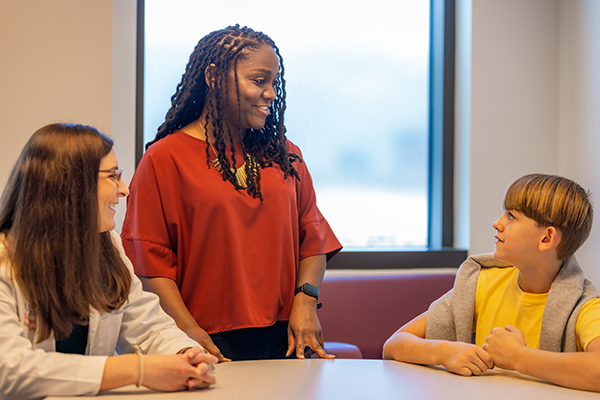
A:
(342, 350)
(365, 310)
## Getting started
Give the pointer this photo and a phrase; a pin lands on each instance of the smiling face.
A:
(256, 77)
(110, 188)
(517, 238)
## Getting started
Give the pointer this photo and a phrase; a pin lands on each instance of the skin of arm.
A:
(172, 303)
(578, 370)
(408, 344)
(161, 372)
(304, 328)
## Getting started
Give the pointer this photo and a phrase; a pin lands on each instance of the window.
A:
(363, 106)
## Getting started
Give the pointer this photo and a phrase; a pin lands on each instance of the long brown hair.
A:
(49, 216)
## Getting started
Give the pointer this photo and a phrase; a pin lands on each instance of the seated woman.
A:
(66, 285)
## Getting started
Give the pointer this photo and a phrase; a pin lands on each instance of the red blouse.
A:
(234, 257)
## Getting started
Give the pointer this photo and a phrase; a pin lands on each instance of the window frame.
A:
(440, 252)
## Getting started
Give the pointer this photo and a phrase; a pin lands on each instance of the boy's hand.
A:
(504, 345)
(466, 359)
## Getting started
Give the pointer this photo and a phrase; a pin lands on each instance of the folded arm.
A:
(580, 370)
(191, 370)
(408, 344)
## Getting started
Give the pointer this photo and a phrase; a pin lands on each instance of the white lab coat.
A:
(29, 370)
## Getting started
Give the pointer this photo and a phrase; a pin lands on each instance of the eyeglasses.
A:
(115, 174)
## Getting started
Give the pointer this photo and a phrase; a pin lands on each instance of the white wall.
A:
(579, 116)
(123, 91)
(57, 65)
(529, 103)
(514, 103)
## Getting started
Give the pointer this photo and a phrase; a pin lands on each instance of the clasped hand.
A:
(191, 370)
(504, 345)
(500, 349)
(465, 359)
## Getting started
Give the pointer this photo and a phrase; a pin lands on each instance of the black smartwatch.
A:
(309, 290)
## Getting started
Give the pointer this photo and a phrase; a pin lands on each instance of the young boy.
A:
(528, 306)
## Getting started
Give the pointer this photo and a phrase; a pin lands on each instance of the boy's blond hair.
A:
(552, 200)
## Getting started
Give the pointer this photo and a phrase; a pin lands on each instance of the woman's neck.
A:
(197, 129)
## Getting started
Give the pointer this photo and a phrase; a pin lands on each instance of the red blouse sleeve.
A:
(145, 233)
(316, 236)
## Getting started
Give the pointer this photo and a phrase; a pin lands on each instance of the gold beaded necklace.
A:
(240, 173)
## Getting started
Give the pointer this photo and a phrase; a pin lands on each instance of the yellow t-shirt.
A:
(499, 301)
(588, 324)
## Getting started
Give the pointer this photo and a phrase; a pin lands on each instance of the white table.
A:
(356, 379)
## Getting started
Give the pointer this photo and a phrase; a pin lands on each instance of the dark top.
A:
(76, 342)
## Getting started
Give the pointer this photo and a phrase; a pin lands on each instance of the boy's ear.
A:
(551, 239)
(210, 75)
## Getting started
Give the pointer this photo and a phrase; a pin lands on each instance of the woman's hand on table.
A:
(304, 328)
(191, 370)
(200, 336)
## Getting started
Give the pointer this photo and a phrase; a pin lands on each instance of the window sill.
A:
(397, 258)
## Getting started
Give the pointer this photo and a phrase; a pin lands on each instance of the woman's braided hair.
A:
(224, 49)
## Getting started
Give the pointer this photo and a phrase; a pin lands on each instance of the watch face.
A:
(310, 290)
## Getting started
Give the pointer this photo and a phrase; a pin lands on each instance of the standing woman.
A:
(68, 295)
(222, 221)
